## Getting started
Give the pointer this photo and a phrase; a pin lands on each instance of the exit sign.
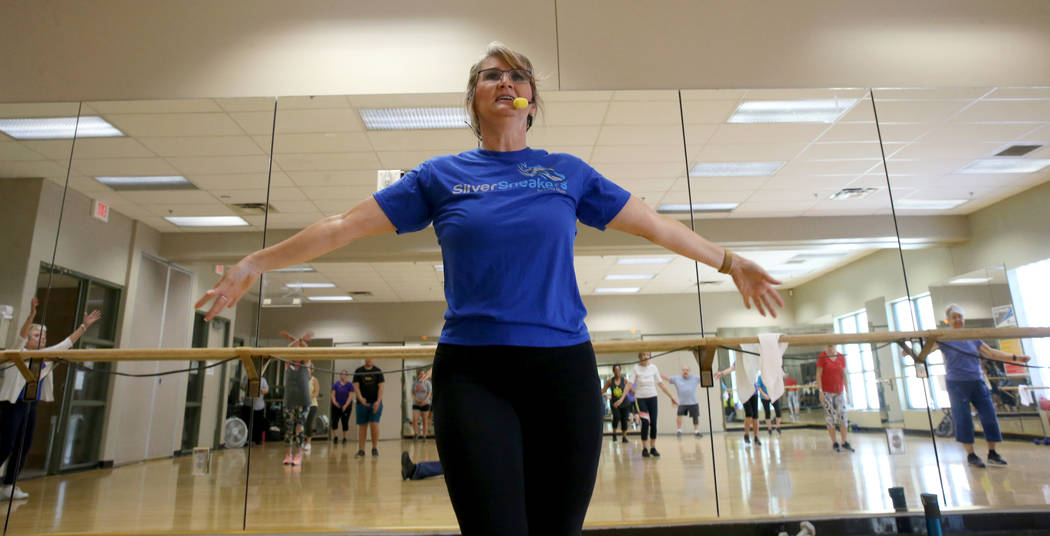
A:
(100, 210)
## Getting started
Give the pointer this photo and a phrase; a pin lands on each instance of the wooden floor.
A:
(796, 474)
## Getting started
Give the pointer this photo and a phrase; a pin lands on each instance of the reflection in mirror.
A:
(793, 179)
(165, 177)
(975, 160)
(36, 141)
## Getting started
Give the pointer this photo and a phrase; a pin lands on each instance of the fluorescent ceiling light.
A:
(295, 269)
(697, 207)
(969, 280)
(798, 111)
(628, 277)
(173, 182)
(310, 285)
(206, 221)
(412, 118)
(330, 298)
(927, 204)
(49, 128)
(1004, 165)
(616, 290)
(735, 169)
(852, 193)
(644, 260)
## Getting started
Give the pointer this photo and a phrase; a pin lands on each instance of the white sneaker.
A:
(306, 447)
(13, 492)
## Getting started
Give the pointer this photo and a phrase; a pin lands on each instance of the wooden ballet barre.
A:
(704, 348)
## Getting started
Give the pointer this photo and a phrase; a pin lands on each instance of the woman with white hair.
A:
(505, 216)
(18, 415)
(966, 387)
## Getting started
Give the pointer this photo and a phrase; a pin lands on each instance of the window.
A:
(860, 363)
(1033, 281)
(915, 315)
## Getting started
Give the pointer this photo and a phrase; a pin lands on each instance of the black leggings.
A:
(620, 415)
(340, 417)
(17, 423)
(751, 407)
(766, 404)
(503, 473)
(648, 425)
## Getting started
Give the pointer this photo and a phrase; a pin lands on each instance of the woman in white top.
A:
(17, 415)
(646, 378)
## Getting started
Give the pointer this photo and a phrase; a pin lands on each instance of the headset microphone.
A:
(521, 102)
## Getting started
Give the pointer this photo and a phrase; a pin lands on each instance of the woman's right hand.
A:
(822, 398)
(228, 291)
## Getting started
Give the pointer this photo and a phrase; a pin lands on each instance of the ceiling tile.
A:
(572, 113)
(175, 106)
(768, 133)
(213, 165)
(171, 197)
(247, 104)
(339, 120)
(202, 146)
(230, 181)
(190, 124)
(746, 152)
(354, 178)
(13, 150)
(662, 112)
(543, 136)
(330, 142)
(633, 154)
(1007, 110)
(328, 161)
(122, 167)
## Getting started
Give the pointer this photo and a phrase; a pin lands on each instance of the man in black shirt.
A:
(368, 384)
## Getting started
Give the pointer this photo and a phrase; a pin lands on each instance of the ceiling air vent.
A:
(1017, 150)
(852, 193)
(251, 209)
(360, 293)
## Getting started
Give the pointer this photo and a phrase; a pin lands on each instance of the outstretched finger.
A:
(772, 310)
(216, 308)
(208, 296)
(758, 305)
(777, 297)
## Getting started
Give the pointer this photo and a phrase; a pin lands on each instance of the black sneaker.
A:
(836, 447)
(645, 452)
(344, 440)
(770, 431)
(407, 467)
(360, 454)
(847, 446)
(975, 461)
(778, 431)
(747, 439)
(995, 459)
(624, 440)
(757, 442)
(375, 451)
(652, 452)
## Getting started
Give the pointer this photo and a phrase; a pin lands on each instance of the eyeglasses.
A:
(493, 74)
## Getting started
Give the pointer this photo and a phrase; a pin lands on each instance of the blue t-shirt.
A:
(959, 366)
(686, 389)
(506, 223)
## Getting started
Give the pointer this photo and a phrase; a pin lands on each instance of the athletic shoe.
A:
(407, 467)
(778, 431)
(652, 452)
(375, 451)
(757, 442)
(360, 454)
(847, 446)
(975, 461)
(344, 440)
(297, 460)
(645, 452)
(770, 431)
(836, 447)
(747, 439)
(13, 492)
(697, 433)
(624, 440)
(307, 447)
(679, 433)
(288, 459)
(995, 459)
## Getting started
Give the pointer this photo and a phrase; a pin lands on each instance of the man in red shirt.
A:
(831, 380)
(792, 395)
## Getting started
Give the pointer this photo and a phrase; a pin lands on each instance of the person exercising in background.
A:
(688, 405)
(422, 394)
(621, 412)
(648, 378)
(369, 383)
(834, 393)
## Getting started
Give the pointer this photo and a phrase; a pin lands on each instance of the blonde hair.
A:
(516, 60)
(39, 327)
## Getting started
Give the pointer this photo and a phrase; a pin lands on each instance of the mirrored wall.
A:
(878, 210)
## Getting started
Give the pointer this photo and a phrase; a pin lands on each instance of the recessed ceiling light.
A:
(969, 280)
(206, 221)
(852, 193)
(798, 111)
(927, 204)
(644, 260)
(310, 285)
(616, 290)
(697, 207)
(735, 169)
(330, 298)
(413, 118)
(992, 166)
(166, 182)
(50, 128)
(628, 277)
(295, 269)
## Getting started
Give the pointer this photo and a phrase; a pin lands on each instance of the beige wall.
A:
(124, 49)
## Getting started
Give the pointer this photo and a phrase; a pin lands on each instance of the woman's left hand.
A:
(755, 285)
(91, 318)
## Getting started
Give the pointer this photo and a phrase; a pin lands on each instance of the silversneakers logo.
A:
(539, 178)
